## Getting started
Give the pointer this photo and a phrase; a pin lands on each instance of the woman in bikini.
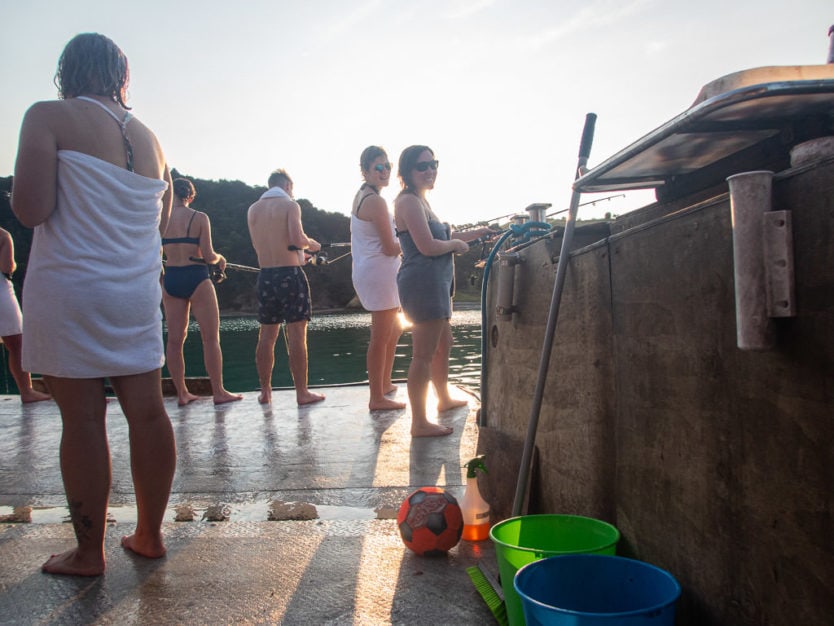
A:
(376, 259)
(187, 286)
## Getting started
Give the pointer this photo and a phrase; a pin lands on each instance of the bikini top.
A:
(186, 239)
(122, 125)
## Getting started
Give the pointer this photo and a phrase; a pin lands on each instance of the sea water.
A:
(336, 345)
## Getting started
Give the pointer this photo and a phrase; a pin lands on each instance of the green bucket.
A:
(522, 540)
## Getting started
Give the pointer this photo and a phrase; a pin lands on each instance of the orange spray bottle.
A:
(474, 508)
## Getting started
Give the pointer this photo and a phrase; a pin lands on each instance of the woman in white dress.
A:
(93, 183)
(11, 323)
(376, 260)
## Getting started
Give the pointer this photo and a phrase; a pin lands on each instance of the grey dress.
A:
(426, 283)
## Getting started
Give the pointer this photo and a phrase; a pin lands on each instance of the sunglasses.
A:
(422, 166)
(382, 166)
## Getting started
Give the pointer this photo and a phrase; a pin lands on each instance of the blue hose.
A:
(523, 232)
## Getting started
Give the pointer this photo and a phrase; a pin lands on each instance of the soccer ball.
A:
(430, 521)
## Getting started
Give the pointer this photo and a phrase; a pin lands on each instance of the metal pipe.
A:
(831, 44)
(482, 416)
(506, 285)
(750, 199)
(552, 318)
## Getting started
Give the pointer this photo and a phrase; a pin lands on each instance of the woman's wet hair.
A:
(408, 159)
(92, 64)
(369, 155)
(184, 189)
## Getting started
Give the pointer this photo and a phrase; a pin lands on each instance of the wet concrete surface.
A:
(346, 567)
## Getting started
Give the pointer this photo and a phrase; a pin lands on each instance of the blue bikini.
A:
(181, 281)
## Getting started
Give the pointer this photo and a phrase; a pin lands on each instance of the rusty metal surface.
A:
(346, 567)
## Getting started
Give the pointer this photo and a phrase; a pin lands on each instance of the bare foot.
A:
(265, 397)
(308, 398)
(392, 388)
(186, 398)
(227, 397)
(450, 404)
(385, 404)
(72, 563)
(151, 548)
(30, 395)
(430, 430)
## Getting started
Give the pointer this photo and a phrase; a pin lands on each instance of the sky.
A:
(499, 89)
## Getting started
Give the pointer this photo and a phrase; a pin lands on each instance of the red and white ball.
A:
(430, 521)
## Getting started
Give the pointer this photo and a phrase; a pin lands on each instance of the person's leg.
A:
(204, 305)
(380, 359)
(22, 378)
(153, 457)
(440, 372)
(265, 359)
(85, 469)
(176, 317)
(297, 349)
(425, 337)
(395, 333)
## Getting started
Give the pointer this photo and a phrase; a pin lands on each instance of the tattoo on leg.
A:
(80, 523)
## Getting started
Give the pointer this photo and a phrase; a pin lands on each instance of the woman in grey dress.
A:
(426, 283)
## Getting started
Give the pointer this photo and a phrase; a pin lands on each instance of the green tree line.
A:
(226, 203)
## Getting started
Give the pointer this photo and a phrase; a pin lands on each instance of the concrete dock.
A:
(348, 566)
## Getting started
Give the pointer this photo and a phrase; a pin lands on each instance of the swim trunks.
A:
(283, 295)
(182, 281)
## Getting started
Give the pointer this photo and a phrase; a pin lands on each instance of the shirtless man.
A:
(283, 292)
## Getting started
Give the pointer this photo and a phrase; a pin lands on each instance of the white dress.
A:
(10, 318)
(374, 273)
(91, 297)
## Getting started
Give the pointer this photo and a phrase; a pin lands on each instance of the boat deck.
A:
(347, 566)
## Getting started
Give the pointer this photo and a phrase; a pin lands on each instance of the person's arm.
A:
(210, 255)
(36, 168)
(295, 231)
(167, 201)
(7, 263)
(411, 213)
(381, 219)
(471, 235)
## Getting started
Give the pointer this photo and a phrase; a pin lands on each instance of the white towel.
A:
(275, 192)
(10, 318)
(374, 273)
(91, 297)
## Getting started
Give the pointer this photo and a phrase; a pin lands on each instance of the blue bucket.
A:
(596, 590)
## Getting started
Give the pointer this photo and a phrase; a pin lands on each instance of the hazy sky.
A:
(498, 88)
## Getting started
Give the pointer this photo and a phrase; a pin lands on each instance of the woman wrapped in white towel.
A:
(92, 181)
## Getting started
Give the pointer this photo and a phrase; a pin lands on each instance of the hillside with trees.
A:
(226, 203)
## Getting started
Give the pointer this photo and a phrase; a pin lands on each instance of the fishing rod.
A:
(234, 266)
(320, 256)
(589, 203)
(560, 211)
(217, 275)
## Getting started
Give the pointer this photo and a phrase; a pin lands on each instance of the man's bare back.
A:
(274, 226)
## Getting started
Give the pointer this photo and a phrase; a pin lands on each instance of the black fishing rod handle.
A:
(587, 136)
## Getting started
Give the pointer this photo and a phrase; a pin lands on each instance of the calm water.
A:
(336, 344)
